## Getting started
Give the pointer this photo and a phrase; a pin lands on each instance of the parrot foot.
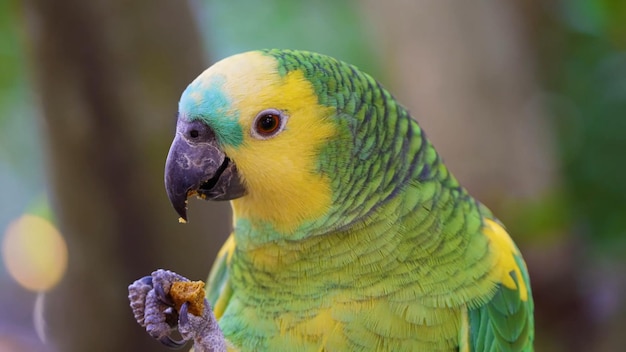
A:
(161, 311)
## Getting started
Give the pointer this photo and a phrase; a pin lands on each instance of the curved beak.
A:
(196, 165)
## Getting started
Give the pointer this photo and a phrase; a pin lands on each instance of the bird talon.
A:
(183, 314)
(172, 343)
(162, 296)
(146, 280)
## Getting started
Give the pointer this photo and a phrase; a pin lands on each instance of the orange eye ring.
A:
(268, 123)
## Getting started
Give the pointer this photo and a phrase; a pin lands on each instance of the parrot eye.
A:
(268, 123)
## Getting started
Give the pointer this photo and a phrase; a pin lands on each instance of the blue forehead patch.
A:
(205, 100)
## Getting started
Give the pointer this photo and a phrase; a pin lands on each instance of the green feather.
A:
(505, 323)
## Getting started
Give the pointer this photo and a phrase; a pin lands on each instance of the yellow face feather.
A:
(280, 173)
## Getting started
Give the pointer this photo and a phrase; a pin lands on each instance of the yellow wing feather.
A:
(505, 263)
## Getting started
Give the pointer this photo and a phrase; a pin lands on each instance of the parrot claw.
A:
(171, 343)
(162, 296)
(183, 317)
(146, 280)
(154, 309)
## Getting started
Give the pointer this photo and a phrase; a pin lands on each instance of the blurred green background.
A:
(525, 100)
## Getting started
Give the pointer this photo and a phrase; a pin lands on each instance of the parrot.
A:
(349, 232)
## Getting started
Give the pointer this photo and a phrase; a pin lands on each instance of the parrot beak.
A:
(197, 166)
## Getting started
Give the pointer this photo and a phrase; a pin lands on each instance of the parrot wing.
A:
(504, 323)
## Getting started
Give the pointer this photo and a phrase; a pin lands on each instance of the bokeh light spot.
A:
(34, 253)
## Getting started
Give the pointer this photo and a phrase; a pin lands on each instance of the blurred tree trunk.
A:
(466, 71)
(109, 74)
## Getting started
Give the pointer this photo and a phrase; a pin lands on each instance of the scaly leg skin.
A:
(206, 334)
(154, 309)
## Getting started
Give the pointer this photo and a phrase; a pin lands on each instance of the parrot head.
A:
(299, 142)
(250, 133)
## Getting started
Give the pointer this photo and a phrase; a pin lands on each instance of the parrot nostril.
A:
(194, 133)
